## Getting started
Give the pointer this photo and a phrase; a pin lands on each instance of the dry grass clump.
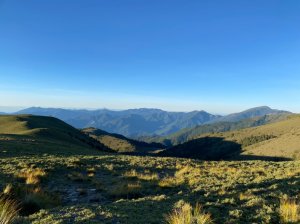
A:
(31, 198)
(170, 182)
(146, 175)
(8, 210)
(125, 189)
(289, 210)
(38, 199)
(222, 191)
(184, 170)
(246, 196)
(8, 189)
(109, 167)
(186, 214)
(32, 175)
(91, 172)
(292, 172)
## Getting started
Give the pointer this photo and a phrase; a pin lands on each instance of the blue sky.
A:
(216, 55)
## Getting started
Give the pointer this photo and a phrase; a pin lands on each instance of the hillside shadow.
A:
(215, 149)
(262, 158)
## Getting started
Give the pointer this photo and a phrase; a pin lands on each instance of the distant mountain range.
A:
(143, 122)
(29, 135)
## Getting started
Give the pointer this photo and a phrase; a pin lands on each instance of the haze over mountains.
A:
(143, 122)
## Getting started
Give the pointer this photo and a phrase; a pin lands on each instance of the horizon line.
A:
(15, 109)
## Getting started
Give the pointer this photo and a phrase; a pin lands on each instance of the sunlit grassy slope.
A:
(128, 189)
(26, 134)
(285, 143)
(278, 140)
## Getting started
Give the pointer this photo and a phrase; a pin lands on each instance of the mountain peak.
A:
(250, 113)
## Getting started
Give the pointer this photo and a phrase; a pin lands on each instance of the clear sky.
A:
(219, 56)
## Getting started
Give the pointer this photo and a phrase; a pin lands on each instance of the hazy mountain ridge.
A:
(142, 122)
(133, 122)
(250, 113)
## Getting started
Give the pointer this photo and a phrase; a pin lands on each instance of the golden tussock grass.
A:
(32, 175)
(246, 196)
(289, 210)
(169, 182)
(186, 214)
(184, 170)
(8, 210)
(125, 189)
(146, 175)
(8, 189)
(31, 198)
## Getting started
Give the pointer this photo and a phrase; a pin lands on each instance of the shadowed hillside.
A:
(37, 134)
(205, 149)
(214, 148)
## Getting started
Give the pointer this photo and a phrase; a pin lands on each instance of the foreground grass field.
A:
(52, 173)
(127, 189)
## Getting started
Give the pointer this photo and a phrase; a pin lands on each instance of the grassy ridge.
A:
(277, 140)
(25, 134)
